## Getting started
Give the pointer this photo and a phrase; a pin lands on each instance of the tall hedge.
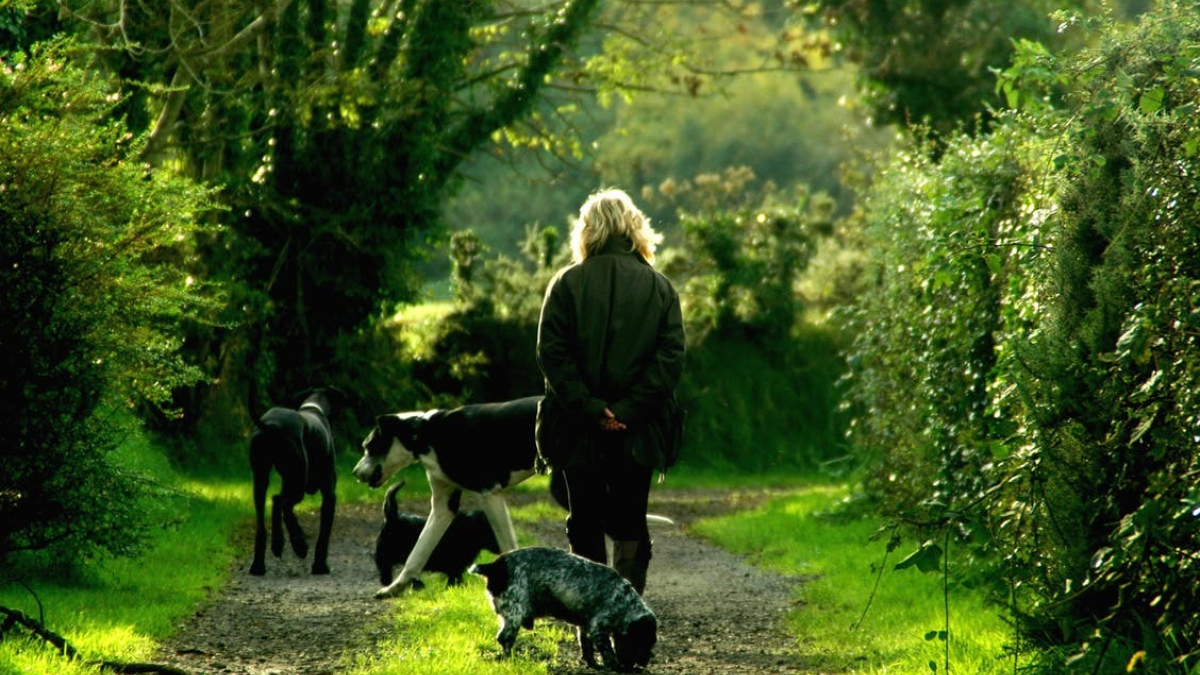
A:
(1026, 365)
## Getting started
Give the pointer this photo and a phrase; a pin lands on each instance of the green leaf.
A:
(994, 262)
(1012, 96)
(925, 559)
(1152, 100)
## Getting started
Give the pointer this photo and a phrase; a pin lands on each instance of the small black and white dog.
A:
(611, 617)
(298, 444)
(469, 534)
(482, 448)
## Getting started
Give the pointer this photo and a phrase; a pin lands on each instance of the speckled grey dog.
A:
(611, 617)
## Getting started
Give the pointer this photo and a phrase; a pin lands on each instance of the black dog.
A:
(469, 534)
(483, 448)
(611, 617)
(298, 444)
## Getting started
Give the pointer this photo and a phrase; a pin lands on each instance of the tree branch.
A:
(14, 617)
(521, 93)
(179, 89)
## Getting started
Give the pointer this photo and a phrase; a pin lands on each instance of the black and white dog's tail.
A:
(559, 493)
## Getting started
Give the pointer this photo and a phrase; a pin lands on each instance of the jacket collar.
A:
(618, 246)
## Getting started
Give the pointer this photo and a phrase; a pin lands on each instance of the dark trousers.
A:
(610, 497)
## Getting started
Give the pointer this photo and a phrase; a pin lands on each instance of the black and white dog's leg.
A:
(496, 508)
(440, 517)
(321, 553)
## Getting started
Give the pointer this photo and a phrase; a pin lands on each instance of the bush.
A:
(93, 278)
(1025, 370)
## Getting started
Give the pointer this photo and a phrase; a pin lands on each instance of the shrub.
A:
(94, 282)
(1026, 367)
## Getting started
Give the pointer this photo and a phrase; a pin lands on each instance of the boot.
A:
(631, 559)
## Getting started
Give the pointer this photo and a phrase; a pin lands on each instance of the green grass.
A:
(449, 631)
(797, 534)
(121, 609)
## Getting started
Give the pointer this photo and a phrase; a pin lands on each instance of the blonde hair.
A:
(610, 213)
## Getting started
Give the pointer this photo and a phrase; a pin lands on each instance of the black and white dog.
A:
(482, 448)
(468, 535)
(298, 444)
(611, 617)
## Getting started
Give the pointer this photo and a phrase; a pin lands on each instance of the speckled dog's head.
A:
(545, 582)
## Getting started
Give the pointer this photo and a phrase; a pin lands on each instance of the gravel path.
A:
(717, 614)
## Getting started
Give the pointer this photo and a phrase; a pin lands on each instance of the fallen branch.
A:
(14, 617)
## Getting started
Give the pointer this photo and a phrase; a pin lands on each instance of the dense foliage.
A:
(751, 87)
(1027, 362)
(931, 62)
(95, 291)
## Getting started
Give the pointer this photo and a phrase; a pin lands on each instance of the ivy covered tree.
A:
(335, 129)
(1113, 388)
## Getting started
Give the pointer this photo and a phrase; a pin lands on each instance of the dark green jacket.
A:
(610, 335)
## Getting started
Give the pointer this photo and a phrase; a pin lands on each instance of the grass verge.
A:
(448, 631)
(900, 632)
(121, 609)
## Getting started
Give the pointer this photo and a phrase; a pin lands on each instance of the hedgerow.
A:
(1026, 366)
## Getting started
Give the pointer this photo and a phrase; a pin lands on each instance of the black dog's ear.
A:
(392, 425)
(336, 394)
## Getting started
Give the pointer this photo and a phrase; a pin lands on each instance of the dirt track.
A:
(717, 615)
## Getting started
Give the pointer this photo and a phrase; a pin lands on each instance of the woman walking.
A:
(610, 348)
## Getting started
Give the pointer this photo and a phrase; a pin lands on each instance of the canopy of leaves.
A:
(336, 129)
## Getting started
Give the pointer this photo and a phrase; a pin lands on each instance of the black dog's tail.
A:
(391, 513)
(496, 575)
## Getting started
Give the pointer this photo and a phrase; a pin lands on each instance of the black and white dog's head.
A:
(392, 445)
